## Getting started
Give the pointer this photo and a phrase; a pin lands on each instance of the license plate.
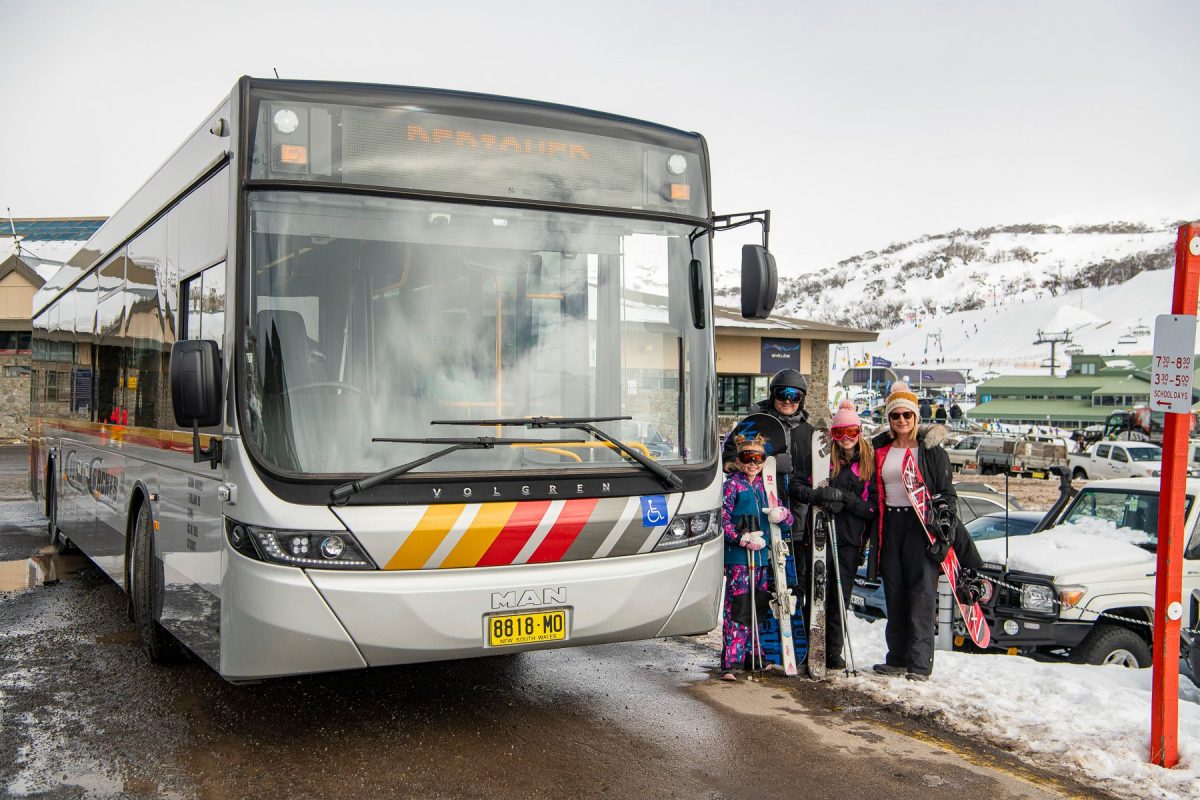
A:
(1039, 474)
(538, 626)
(855, 600)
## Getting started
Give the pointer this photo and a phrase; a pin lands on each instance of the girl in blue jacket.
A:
(744, 520)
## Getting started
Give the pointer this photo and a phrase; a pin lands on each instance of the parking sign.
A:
(1174, 350)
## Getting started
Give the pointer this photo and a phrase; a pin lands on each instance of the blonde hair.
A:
(866, 459)
(743, 441)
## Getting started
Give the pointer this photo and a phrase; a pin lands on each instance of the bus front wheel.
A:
(145, 592)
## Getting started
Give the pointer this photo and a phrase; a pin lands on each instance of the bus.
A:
(369, 375)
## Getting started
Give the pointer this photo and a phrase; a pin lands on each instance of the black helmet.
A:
(789, 377)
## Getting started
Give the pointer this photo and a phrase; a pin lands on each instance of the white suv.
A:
(1085, 586)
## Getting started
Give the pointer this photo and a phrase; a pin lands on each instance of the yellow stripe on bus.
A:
(490, 520)
(425, 538)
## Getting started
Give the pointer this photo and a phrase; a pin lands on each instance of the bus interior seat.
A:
(286, 362)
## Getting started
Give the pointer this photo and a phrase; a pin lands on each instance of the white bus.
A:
(370, 375)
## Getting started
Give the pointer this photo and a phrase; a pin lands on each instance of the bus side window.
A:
(202, 305)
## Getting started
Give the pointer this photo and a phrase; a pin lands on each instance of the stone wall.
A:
(817, 402)
(14, 397)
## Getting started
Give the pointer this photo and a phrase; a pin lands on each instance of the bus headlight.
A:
(689, 529)
(308, 549)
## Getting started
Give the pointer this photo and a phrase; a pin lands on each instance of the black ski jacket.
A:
(855, 520)
(800, 436)
(934, 466)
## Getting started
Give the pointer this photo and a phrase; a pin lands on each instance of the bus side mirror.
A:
(759, 282)
(196, 392)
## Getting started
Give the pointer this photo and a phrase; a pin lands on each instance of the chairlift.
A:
(1073, 349)
(1050, 362)
(1141, 330)
(1128, 338)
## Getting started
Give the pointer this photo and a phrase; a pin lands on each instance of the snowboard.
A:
(818, 544)
(918, 495)
(770, 630)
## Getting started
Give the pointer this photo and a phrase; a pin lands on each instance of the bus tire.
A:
(145, 592)
(1113, 644)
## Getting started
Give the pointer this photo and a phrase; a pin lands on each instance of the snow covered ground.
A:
(1091, 721)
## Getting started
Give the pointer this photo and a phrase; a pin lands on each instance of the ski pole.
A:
(754, 643)
(847, 647)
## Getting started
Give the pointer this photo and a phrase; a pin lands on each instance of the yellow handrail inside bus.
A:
(639, 446)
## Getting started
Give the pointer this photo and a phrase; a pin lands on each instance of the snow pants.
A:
(848, 558)
(910, 585)
(736, 642)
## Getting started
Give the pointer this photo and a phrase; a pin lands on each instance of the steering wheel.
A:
(307, 387)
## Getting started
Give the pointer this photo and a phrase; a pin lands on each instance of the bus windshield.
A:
(371, 317)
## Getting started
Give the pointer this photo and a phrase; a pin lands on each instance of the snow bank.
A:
(1087, 544)
(1091, 721)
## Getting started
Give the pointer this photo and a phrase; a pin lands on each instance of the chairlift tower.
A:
(1054, 339)
(936, 338)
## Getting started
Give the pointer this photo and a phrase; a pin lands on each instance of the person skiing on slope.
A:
(901, 551)
(745, 516)
(850, 500)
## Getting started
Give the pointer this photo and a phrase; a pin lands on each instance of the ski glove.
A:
(937, 550)
(753, 541)
(775, 515)
(829, 498)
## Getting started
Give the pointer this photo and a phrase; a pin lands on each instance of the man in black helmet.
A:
(786, 403)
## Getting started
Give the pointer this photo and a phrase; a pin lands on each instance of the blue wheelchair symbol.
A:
(654, 510)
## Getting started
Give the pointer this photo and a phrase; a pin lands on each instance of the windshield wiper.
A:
(340, 494)
(668, 478)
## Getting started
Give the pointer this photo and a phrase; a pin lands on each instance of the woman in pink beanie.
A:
(850, 500)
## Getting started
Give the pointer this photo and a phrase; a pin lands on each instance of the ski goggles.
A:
(901, 415)
(751, 457)
(788, 394)
(845, 433)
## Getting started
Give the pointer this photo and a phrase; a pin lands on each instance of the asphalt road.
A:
(83, 714)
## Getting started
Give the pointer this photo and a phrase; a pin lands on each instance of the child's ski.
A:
(783, 602)
(819, 539)
(918, 495)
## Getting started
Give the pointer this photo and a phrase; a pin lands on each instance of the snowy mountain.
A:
(976, 300)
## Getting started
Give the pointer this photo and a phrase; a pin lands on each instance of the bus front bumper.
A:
(322, 620)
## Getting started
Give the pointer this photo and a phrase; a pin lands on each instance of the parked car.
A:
(992, 526)
(975, 501)
(1117, 460)
(1024, 456)
(1085, 592)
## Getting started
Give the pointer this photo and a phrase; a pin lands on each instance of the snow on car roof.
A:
(1085, 544)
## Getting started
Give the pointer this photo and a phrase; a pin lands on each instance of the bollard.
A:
(944, 636)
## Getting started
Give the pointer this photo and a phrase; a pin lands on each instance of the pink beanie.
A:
(845, 416)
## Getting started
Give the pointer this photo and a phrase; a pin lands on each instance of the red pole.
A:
(1164, 702)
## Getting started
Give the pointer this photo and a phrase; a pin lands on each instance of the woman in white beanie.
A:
(902, 552)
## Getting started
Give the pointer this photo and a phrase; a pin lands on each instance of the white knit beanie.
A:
(900, 396)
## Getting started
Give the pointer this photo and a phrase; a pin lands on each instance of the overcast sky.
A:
(857, 123)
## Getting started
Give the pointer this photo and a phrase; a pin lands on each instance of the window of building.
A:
(734, 394)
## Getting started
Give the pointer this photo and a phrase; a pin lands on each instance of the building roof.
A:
(15, 263)
(53, 229)
(1056, 410)
(729, 321)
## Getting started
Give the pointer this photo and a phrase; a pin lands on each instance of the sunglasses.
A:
(751, 457)
(789, 394)
(901, 415)
(842, 434)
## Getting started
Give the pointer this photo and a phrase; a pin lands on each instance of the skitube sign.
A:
(1174, 352)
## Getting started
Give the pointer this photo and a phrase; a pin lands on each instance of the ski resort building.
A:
(1094, 387)
(31, 250)
(749, 352)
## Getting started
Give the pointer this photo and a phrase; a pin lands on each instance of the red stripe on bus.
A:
(516, 533)
(567, 527)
